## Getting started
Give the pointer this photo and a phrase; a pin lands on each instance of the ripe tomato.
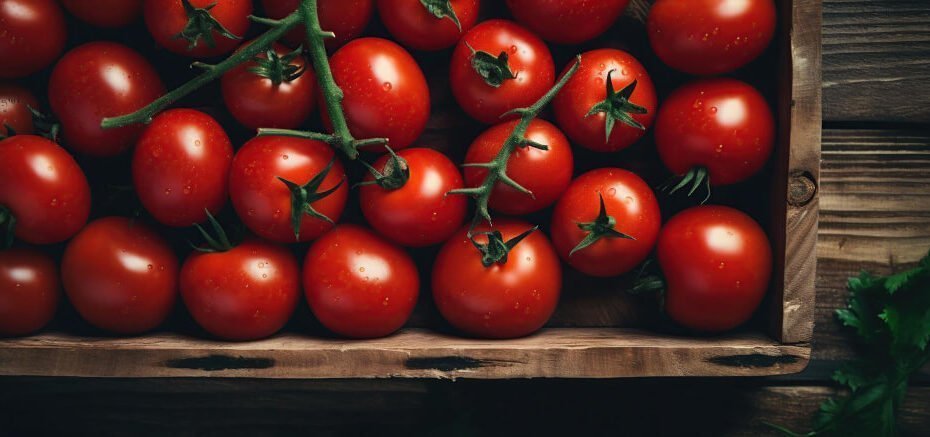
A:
(98, 80)
(15, 102)
(267, 205)
(345, 18)
(44, 193)
(717, 263)
(280, 95)
(708, 37)
(180, 167)
(358, 285)
(511, 297)
(244, 293)
(609, 241)
(567, 21)
(120, 275)
(105, 13)
(198, 28)
(590, 105)
(408, 202)
(499, 66)
(722, 125)
(377, 73)
(415, 26)
(545, 173)
(29, 291)
(32, 35)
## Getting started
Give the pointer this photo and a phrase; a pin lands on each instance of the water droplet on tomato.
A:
(387, 86)
(513, 49)
(284, 157)
(612, 192)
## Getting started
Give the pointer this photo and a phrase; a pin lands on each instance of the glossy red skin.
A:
(165, 19)
(180, 167)
(255, 101)
(15, 102)
(87, 86)
(529, 59)
(246, 293)
(420, 213)
(502, 301)
(345, 18)
(546, 173)
(105, 13)
(29, 291)
(412, 25)
(567, 21)
(588, 88)
(120, 275)
(386, 95)
(264, 203)
(32, 37)
(359, 285)
(717, 264)
(708, 37)
(722, 124)
(44, 188)
(629, 200)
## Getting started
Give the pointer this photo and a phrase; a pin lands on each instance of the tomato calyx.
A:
(618, 107)
(201, 25)
(278, 68)
(494, 70)
(695, 177)
(303, 196)
(442, 9)
(604, 226)
(649, 280)
(7, 223)
(218, 243)
(496, 250)
(45, 126)
(395, 174)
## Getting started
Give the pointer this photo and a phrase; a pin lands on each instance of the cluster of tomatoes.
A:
(495, 280)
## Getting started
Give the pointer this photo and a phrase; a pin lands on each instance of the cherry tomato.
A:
(717, 264)
(281, 96)
(545, 173)
(567, 21)
(359, 285)
(264, 202)
(208, 28)
(245, 293)
(15, 102)
(377, 73)
(345, 18)
(120, 275)
(627, 109)
(105, 13)
(98, 80)
(29, 291)
(44, 190)
(413, 25)
(620, 238)
(723, 125)
(32, 35)
(408, 203)
(708, 37)
(180, 167)
(514, 69)
(512, 297)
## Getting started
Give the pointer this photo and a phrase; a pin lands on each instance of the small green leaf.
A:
(442, 9)
(494, 70)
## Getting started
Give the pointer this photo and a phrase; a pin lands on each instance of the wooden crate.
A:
(594, 334)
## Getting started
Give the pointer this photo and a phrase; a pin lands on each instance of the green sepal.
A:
(496, 250)
(618, 107)
(442, 9)
(7, 225)
(201, 25)
(604, 226)
(395, 174)
(695, 178)
(494, 70)
(219, 242)
(278, 68)
(302, 198)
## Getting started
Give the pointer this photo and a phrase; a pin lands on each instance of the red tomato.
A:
(15, 102)
(281, 96)
(710, 37)
(245, 293)
(409, 205)
(717, 263)
(510, 298)
(209, 28)
(105, 13)
(546, 173)
(120, 275)
(29, 291)
(509, 68)
(180, 167)
(345, 18)
(723, 125)
(98, 80)
(567, 21)
(44, 190)
(626, 109)
(621, 238)
(264, 202)
(358, 285)
(413, 25)
(377, 73)
(32, 35)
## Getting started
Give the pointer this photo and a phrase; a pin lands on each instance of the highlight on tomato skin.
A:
(29, 291)
(34, 33)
